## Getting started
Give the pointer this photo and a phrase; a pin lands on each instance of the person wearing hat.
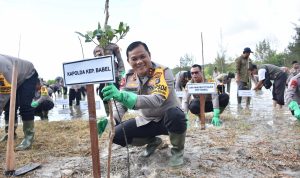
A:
(148, 88)
(215, 102)
(27, 79)
(242, 75)
(267, 72)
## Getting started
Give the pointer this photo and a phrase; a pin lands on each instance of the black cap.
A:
(247, 50)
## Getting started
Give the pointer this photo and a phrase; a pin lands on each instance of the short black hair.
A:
(197, 65)
(231, 75)
(294, 62)
(135, 44)
(252, 67)
(187, 74)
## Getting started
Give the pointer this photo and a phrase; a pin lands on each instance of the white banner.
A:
(201, 88)
(246, 93)
(95, 70)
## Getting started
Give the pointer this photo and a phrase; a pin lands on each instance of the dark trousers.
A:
(173, 121)
(25, 94)
(74, 95)
(194, 105)
(278, 88)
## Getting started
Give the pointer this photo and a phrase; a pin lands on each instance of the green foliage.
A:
(106, 36)
(293, 49)
(186, 61)
(220, 62)
(50, 82)
(178, 69)
(263, 51)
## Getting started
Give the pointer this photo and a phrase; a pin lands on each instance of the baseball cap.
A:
(247, 50)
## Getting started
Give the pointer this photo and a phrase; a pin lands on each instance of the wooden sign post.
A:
(89, 71)
(202, 89)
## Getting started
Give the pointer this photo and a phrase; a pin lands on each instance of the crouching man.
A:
(292, 96)
(213, 102)
(149, 88)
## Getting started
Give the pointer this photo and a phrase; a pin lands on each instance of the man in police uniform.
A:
(149, 88)
(213, 102)
(292, 96)
(27, 79)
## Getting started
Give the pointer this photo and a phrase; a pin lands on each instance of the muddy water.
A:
(261, 105)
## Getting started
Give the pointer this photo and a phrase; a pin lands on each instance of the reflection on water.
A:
(261, 105)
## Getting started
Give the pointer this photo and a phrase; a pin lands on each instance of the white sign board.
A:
(246, 93)
(201, 88)
(179, 94)
(62, 102)
(95, 70)
(84, 105)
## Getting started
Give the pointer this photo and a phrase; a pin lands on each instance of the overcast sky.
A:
(170, 28)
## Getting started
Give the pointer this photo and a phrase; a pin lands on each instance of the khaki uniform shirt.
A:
(25, 70)
(155, 94)
(242, 66)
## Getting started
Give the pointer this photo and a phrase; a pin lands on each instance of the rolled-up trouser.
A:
(194, 105)
(25, 94)
(173, 121)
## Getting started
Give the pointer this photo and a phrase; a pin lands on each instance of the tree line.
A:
(263, 53)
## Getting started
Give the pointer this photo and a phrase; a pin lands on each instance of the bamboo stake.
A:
(10, 154)
(111, 137)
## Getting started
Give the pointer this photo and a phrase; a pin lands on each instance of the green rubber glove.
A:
(128, 99)
(216, 119)
(101, 125)
(34, 104)
(295, 107)
(297, 114)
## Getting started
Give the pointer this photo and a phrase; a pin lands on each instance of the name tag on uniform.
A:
(246, 93)
(201, 88)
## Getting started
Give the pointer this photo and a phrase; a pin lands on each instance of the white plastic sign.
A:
(179, 94)
(201, 88)
(246, 93)
(95, 70)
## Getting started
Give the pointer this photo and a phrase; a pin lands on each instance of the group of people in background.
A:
(149, 88)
